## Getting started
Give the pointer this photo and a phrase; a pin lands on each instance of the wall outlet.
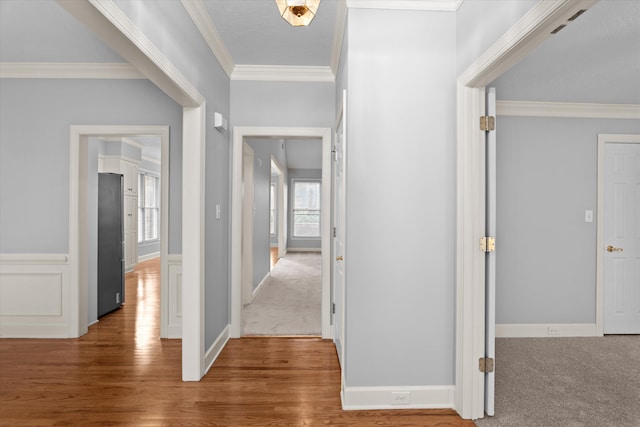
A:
(553, 330)
(117, 297)
(400, 397)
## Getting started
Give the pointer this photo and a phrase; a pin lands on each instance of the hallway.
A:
(290, 300)
(122, 373)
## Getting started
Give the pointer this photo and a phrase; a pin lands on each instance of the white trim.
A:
(239, 133)
(505, 330)
(420, 397)
(304, 249)
(338, 36)
(568, 109)
(171, 302)
(193, 232)
(202, 20)
(147, 257)
(260, 286)
(214, 351)
(603, 139)
(283, 73)
(428, 5)
(118, 158)
(35, 296)
(525, 35)
(29, 259)
(66, 70)
(109, 23)
(150, 160)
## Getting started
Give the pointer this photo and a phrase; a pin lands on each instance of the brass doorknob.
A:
(339, 258)
(612, 249)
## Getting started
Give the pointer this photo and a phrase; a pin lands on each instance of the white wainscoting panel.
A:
(404, 397)
(174, 329)
(504, 330)
(35, 296)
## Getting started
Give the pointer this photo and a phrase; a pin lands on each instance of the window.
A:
(148, 208)
(272, 209)
(306, 209)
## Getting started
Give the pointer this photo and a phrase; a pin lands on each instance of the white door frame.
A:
(239, 134)
(78, 261)
(248, 215)
(528, 33)
(281, 207)
(603, 139)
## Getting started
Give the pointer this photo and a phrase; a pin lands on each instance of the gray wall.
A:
(299, 243)
(263, 149)
(37, 155)
(547, 176)
(282, 104)
(400, 194)
(187, 50)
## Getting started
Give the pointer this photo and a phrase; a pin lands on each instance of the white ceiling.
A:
(255, 34)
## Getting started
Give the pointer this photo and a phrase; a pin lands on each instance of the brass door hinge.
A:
(485, 364)
(487, 244)
(487, 123)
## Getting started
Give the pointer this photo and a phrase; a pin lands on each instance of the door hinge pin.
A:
(487, 123)
(485, 364)
(334, 232)
(333, 308)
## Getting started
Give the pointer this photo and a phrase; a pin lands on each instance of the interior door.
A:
(622, 238)
(339, 231)
(490, 267)
(247, 222)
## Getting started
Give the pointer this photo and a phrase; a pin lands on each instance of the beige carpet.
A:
(568, 382)
(289, 303)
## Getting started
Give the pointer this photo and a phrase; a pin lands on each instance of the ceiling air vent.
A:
(576, 15)
(558, 29)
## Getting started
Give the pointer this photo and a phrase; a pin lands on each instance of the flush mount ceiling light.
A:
(298, 12)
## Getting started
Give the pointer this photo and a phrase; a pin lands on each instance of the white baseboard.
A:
(147, 257)
(404, 397)
(258, 288)
(214, 351)
(542, 330)
(302, 250)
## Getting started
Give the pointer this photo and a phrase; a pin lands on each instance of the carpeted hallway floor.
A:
(289, 303)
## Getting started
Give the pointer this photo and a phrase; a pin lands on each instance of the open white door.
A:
(339, 232)
(621, 245)
(247, 222)
(490, 267)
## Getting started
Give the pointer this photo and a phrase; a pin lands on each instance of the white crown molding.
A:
(151, 160)
(429, 5)
(569, 110)
(66, 70)
(202, 20)
(283, 73)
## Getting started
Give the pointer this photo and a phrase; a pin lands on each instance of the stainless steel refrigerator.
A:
(110, 243)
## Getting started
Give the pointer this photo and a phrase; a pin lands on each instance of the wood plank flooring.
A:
(122, 373)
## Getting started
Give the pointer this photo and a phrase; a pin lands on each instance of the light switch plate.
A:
(588, 216)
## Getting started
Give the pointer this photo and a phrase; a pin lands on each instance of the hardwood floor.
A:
(122, 373)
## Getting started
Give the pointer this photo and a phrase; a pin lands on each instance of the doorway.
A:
(618, 279)
(78, 215)
(239, 136)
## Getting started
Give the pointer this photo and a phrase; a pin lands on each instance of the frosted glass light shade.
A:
(298, 12)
